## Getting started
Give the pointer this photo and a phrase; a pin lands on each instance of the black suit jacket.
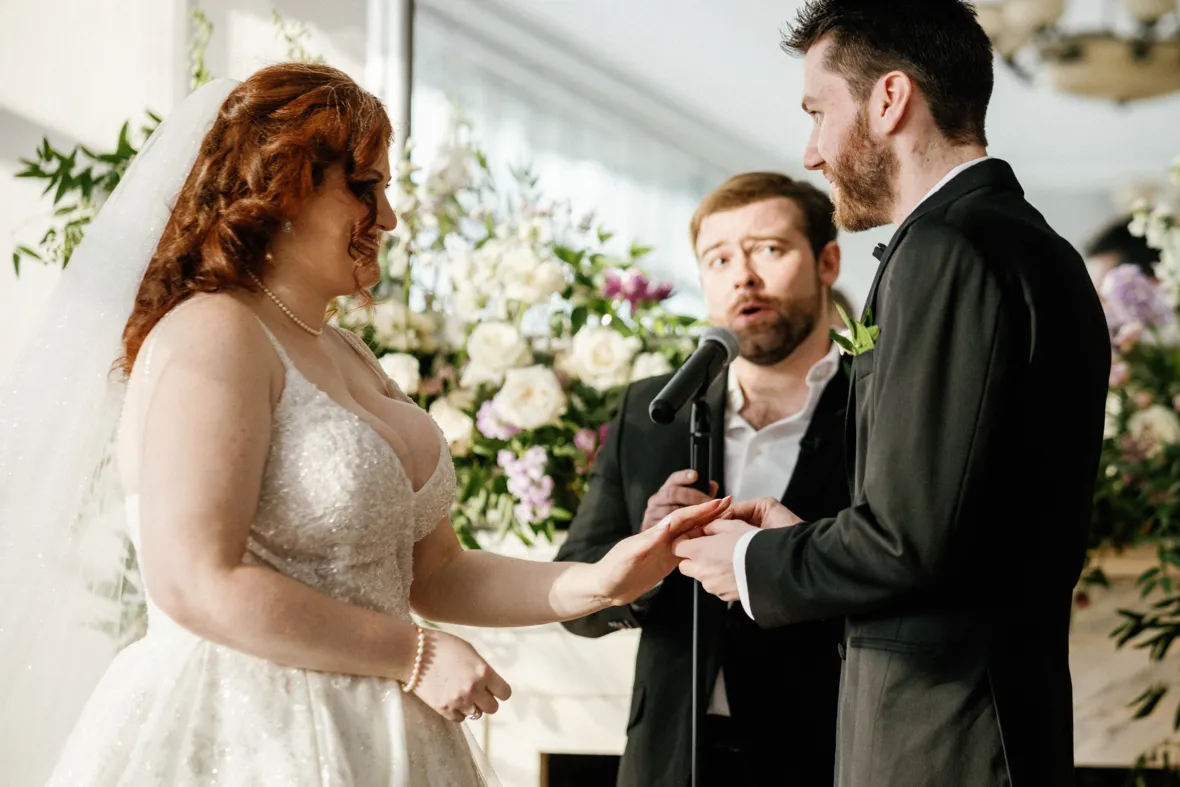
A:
(783, 684)
(977, 424)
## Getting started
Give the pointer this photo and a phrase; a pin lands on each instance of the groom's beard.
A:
(795, 319)
(863, 176)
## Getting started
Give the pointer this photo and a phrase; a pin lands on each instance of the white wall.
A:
(110, 62)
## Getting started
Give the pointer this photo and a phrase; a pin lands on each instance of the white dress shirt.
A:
(739, 550)
(760, 463)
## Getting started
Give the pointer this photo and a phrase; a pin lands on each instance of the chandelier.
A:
(1143, 62)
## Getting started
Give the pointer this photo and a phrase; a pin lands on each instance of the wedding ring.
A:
(475, 716)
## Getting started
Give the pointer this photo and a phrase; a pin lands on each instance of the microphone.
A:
(717, 350)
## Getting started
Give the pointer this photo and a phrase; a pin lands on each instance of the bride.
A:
(286, 502)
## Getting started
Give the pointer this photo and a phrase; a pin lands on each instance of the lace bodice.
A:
(337, 510)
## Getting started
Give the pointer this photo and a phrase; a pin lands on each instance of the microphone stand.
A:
(700, 453)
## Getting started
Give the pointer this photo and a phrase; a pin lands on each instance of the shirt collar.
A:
(950, 175)
(818, 376)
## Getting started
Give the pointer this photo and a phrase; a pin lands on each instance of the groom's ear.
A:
(890, 100)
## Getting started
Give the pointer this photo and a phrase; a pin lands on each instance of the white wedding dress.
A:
(337, 512)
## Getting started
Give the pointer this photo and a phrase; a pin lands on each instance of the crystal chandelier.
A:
(1121, 67)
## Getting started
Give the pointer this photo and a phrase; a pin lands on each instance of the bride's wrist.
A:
(410, 647)
(581, 590)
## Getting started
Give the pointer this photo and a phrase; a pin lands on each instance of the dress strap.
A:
(286, 359)
(362, 349)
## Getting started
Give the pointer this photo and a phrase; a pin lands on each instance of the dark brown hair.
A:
(939, 44)
(276, 135)
(750, 187)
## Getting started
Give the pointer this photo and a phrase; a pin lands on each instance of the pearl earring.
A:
(287, 225)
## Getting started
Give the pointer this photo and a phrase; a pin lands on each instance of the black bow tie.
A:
(878, 250)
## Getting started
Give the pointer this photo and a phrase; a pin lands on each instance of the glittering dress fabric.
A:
(339, 513)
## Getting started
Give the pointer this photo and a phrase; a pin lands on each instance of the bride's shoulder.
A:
(214, 327)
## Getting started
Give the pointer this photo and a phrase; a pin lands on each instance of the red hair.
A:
(276, 135)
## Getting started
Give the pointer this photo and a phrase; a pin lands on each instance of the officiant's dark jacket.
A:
(977, 423)
(782, 684)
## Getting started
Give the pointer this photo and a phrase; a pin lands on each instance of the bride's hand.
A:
(637, 563)
(455, 680)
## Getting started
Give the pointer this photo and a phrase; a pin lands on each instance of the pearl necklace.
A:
(286, 311)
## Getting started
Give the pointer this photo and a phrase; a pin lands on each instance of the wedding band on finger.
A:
(475, 716)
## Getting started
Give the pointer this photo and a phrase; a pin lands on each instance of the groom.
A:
(976, 416)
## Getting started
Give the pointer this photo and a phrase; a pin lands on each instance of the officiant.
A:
(767, 256)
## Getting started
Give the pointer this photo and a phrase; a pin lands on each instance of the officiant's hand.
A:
(675, 494)
(637, 563)
(708, 557)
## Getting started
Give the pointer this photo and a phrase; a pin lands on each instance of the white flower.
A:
(536, 230)
(527, 277)
(650, 365)
(531, 398)
(1156, 425)
(403, 369)
(1114, 408)
(494, 348)
(399, 255)
(1157, 234)
(1139, 213)
(391, 326)
(601, 357)
(450, 171)
(457, 426)
(404, 203)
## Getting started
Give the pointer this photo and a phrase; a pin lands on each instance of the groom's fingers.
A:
(724, 524)
(753, 511)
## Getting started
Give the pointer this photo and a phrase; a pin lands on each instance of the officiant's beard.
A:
(863, 175)
(795, 320)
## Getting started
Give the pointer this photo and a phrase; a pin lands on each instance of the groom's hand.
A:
(764, 512)
(708, 558)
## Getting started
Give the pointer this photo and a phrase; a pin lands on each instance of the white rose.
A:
(601, 357)
(527, 277)
(650, 365)
(403, 369)
(1156, 426)
(466, 304)
(494, 348)
(457, 426)
(391, 326)
(531, 398)
(426, 328)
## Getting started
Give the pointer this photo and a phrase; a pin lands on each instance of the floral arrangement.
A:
(1137, 497)
(516, 327)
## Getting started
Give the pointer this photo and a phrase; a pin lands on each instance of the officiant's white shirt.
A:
(760, 463)
(739, 550)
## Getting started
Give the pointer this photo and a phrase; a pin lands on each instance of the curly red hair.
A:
(274, 138)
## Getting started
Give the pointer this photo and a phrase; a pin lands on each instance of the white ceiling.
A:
(722, 62)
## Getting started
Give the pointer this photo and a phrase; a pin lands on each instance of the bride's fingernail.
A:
(665, 523)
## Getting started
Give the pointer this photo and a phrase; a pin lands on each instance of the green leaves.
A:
(863, 336)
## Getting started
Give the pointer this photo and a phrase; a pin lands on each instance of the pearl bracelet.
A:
(417, 673)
